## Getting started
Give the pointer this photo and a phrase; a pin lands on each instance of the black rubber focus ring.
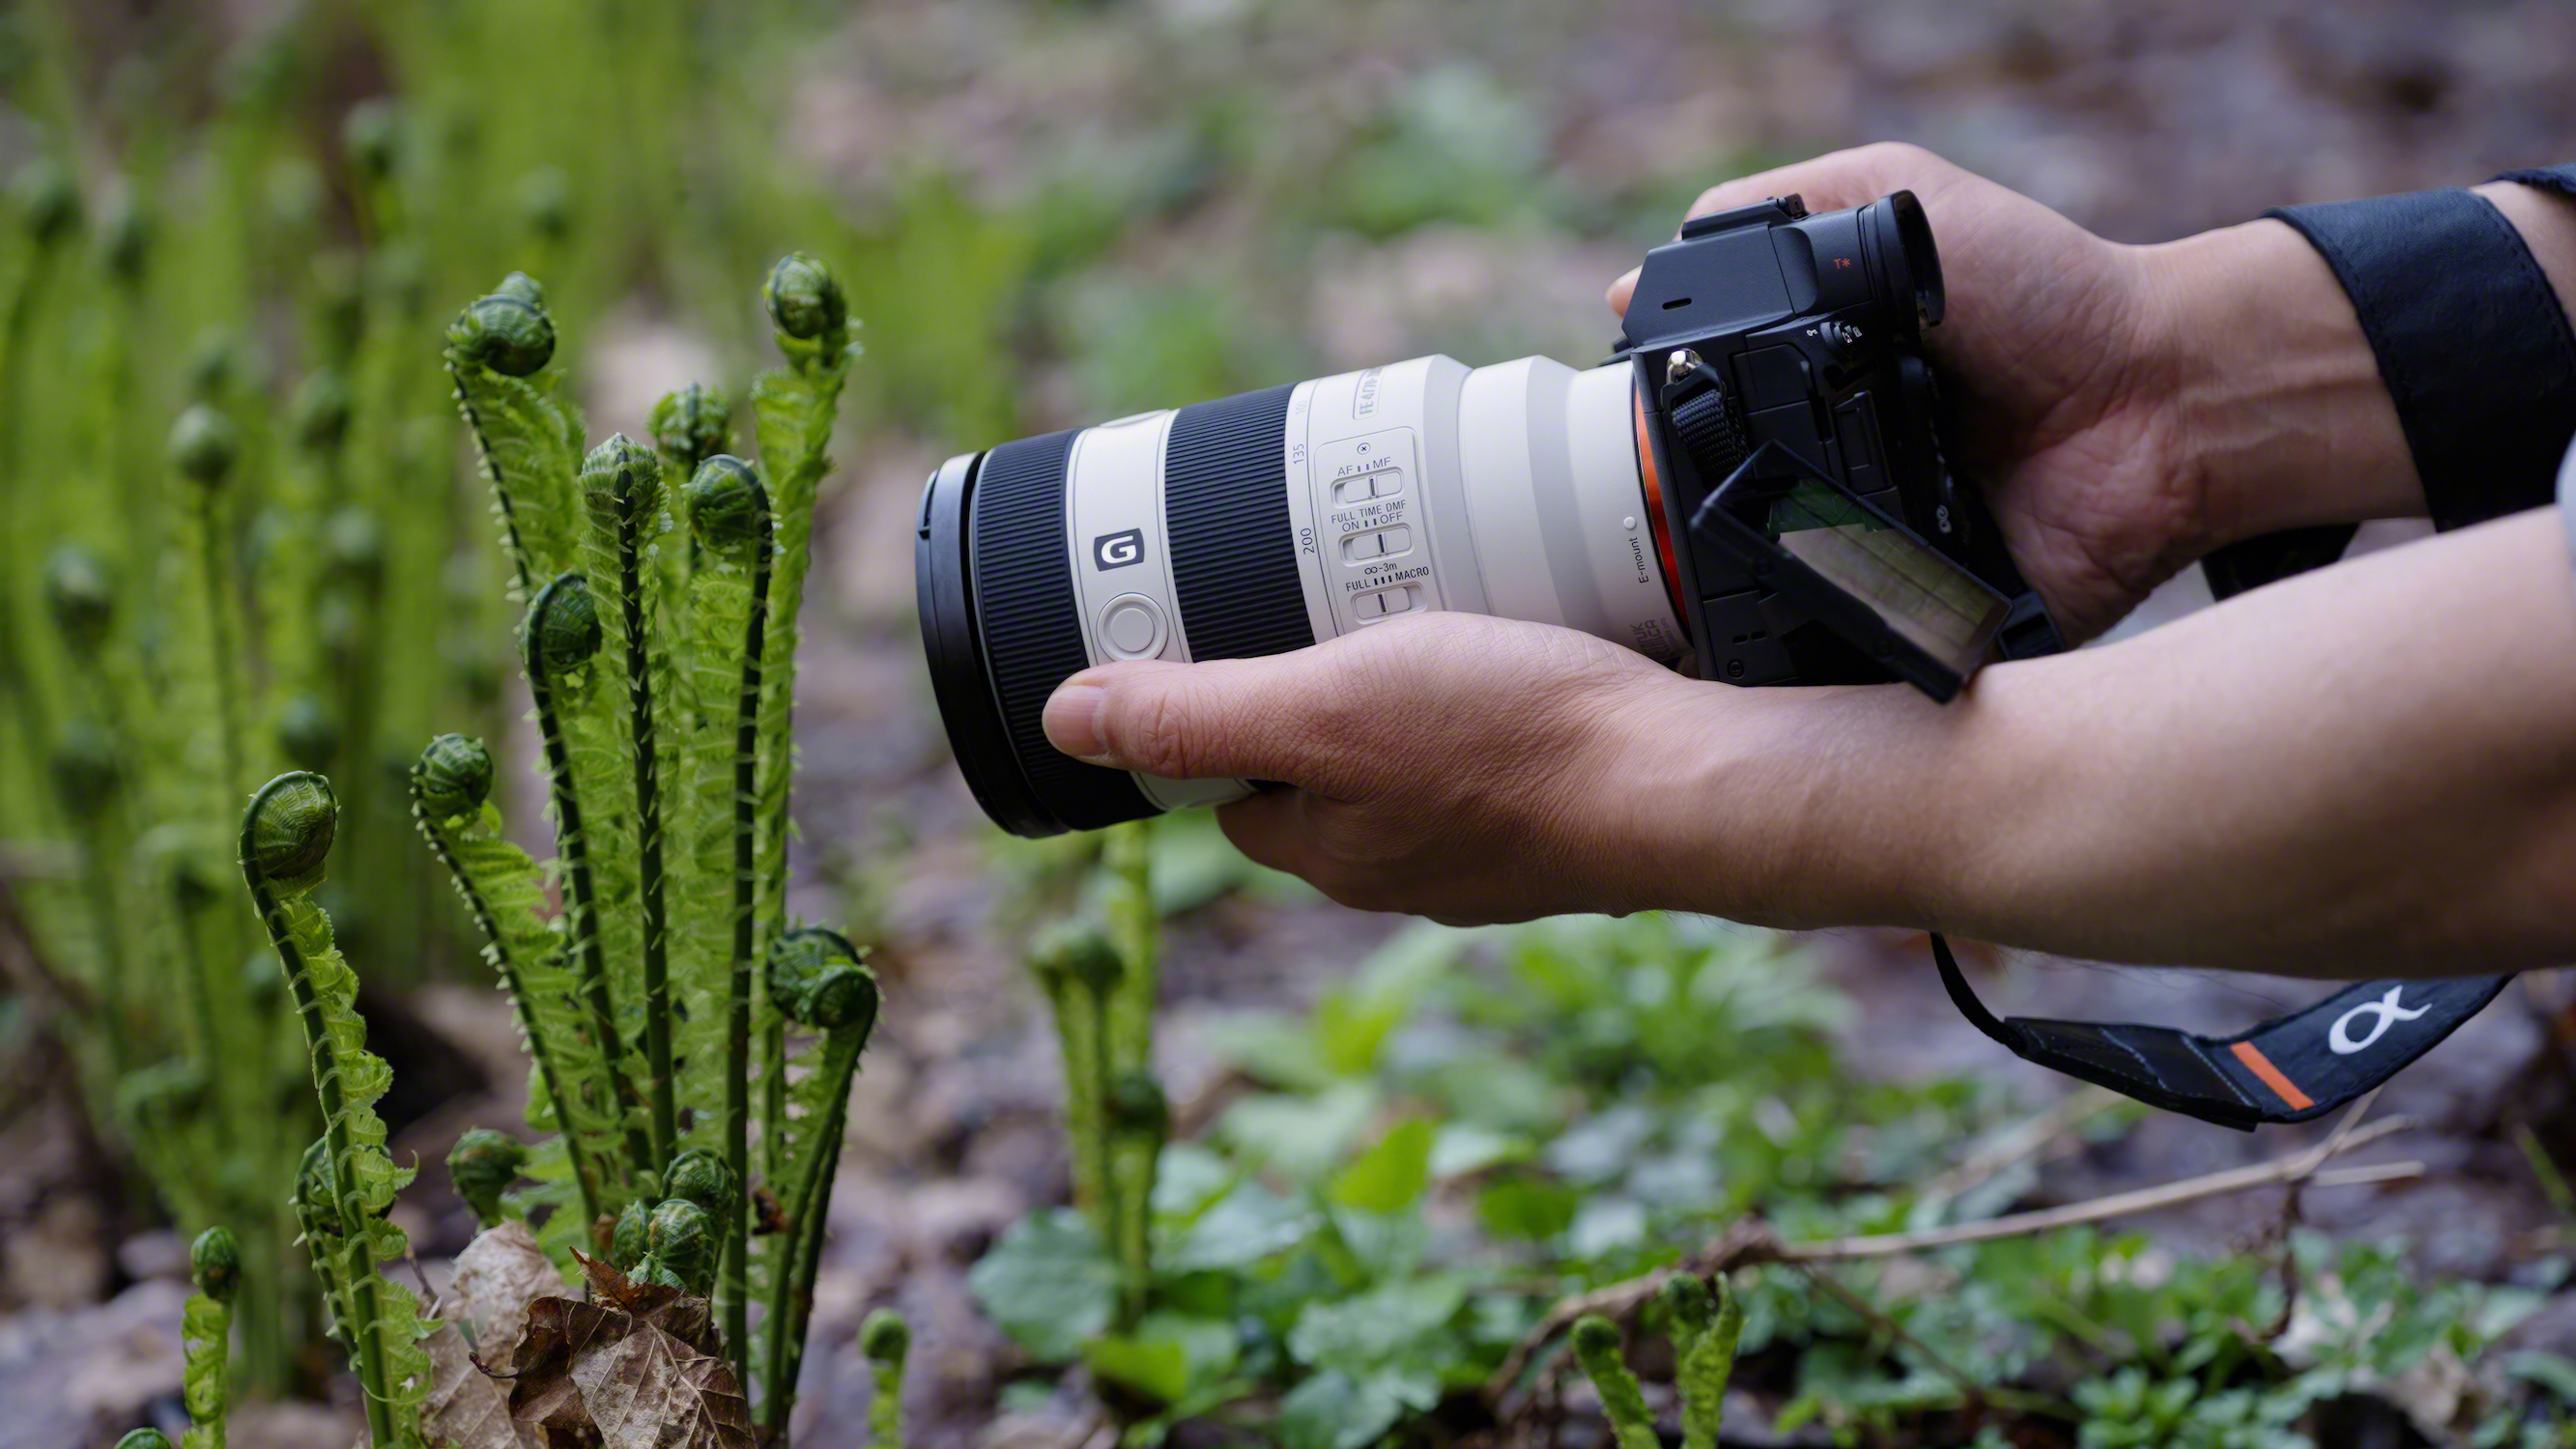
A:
(1031, 625)
(1225, 504)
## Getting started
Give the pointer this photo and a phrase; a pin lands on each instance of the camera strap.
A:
(2288, 1069)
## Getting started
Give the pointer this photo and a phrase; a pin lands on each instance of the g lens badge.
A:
(1118, 550)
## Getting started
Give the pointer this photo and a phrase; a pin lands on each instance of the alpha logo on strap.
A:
(2381, 1012)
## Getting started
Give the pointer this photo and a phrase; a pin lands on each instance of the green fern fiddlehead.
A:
(203, 447)
(561, 638)
(884, 1341)
(286, 836)
(503, 891)
(527, 441)
(482, 1165)
(1623, 1399)
(729, 510)
(206, 1327)
(793, 413)
(621, 482)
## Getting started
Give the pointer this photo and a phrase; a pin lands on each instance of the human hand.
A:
(2050, 354)
(1458, 766)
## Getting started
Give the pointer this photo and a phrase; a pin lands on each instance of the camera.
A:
(1752, 486)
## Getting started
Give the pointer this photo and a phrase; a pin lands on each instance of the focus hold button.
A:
(1132, 627)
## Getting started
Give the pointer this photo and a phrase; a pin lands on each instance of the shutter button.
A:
(1132, 627)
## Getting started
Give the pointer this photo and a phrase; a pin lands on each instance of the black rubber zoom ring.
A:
(1032, 625)
(1225, 507)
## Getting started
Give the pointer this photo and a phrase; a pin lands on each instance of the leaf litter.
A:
(630, 1366)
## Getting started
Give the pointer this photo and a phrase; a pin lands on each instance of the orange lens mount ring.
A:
(1655, 508)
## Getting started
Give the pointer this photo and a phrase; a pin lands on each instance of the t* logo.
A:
(1118, 550)
(2381, 1012)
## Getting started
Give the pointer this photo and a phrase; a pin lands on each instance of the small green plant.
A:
(1100, 983)
(207, 1327)
(1598, 1349)
(1704, 1334)
(482, 1165)
(884, 1340)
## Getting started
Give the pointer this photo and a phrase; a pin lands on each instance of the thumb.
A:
(1226, 718)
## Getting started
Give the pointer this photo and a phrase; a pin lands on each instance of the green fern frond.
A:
(528, 440)
(286, 837)
(205, 1329)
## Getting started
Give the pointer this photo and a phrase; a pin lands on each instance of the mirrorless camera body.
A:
(1767, 328)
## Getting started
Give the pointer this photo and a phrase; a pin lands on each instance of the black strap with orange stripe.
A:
(2288, 1069)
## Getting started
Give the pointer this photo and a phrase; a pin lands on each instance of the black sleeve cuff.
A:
(2471, 341)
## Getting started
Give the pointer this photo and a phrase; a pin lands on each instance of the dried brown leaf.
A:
(650, 1390)
(687, 1318)
(497, 1276)
(466, 1408)
(543, 1396)
(599, 1374)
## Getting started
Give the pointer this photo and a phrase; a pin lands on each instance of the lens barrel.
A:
(999, 625)
(1266, 522)
(1003, 622)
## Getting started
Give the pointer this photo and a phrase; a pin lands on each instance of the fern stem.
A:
(15, 681)
(580, 891)
(792, 1295)
(800, 1298)
(100, 888)
(648, 826)
(1135, 927)
(773, 1092)
(734, 1289)
(360, 1275)
(492, 472)
(201, 1002)
(210, 562)
(584, 1173)
(1077, 1042)
(1597, 1351)
(210, 1366)
(1099, 1072)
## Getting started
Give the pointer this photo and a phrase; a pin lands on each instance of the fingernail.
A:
(1620, 290)
(1072, 721)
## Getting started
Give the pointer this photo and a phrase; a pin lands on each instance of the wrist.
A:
(2277, 413)
(1809, 807)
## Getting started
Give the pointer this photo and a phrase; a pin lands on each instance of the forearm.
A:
(2369, 772)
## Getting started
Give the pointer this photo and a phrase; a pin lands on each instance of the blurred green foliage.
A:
(241, 222)
(1474, 1124)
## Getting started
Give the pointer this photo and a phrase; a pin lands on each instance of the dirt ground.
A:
(2144, 121)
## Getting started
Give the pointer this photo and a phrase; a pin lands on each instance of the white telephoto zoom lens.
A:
(1512, 490)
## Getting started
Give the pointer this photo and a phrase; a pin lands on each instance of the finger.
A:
(1312, 838)
(1621, 290)
(1830, 182)
(1228, 718)
(1825, 183)
(1271, 829)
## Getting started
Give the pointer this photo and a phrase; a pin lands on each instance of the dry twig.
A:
(1750, 1241)
(2021, 1141)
